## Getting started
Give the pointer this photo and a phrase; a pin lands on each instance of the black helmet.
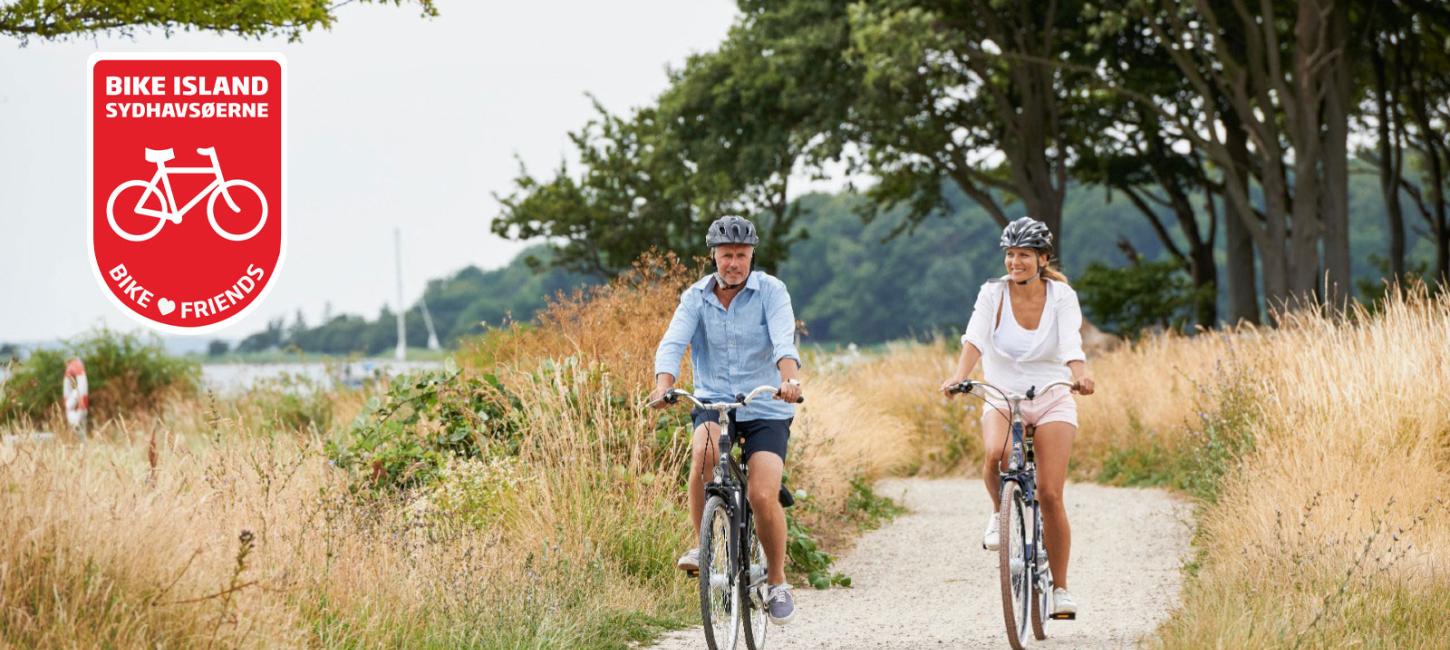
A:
(1027, 232)
(731, 230)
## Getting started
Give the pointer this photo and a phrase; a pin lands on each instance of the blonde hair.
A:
(1053, 273)
(1046, 269)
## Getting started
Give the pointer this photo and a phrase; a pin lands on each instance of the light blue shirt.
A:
(733, 350)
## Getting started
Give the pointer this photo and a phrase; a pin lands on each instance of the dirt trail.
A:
(923, 581)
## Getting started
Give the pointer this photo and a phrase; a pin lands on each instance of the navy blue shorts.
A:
(753, 435)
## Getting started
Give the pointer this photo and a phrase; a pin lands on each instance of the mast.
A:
(428, 322)
(402, 351)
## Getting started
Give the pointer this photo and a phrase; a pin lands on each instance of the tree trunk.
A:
(1338, 285)
(1238, 242)
(1389, 162)
(1438, 228)
(1202, 267)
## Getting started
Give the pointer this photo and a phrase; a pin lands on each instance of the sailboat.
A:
(401, 353)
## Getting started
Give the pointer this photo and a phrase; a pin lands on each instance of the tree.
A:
(634, 194)
(640, 190)
(765, 102)
(267, 339)
(59, 19)
(1147, 160)
(1284, 78)
(969, 91)
(1419, 37)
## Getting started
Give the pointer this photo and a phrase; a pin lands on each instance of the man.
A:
(741, 332)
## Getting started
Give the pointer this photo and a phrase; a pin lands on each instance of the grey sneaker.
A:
(779, 604)
(690, 561)
(989, 538)
(1062, 605)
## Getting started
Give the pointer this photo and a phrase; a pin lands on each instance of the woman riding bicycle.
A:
(1025, 330)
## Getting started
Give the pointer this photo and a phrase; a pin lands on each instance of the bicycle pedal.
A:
(1064, 617)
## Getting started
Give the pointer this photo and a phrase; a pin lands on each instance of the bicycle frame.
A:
(1021, 468)
(728, 488)
(730, 478)
(162, 179)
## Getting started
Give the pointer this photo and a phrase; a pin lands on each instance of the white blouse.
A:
(1056, 341)
(1011, 337)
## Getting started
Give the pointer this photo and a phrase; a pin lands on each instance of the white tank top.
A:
(1011, 338)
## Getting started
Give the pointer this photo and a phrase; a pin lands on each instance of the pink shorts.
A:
(1056, 405)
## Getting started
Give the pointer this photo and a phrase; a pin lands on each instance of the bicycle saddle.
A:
(159, 155)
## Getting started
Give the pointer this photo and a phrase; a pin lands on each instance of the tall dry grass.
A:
(1335, 526)
(220, 522)
(1319, 453)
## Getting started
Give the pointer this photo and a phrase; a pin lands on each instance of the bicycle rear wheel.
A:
(719, 596)
(1012, 563)
(1041, 583)
(752, 590)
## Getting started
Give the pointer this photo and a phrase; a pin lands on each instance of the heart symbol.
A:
(165, 306)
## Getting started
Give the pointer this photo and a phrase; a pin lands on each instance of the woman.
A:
(1024, 328)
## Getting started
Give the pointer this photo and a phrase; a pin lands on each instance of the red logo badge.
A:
(187, 184)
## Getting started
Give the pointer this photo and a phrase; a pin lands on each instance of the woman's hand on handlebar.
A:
(1083, 385)
(948, 385)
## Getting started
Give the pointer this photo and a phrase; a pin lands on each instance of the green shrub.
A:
(474, 492)
(126, 374)
(869, 509)
(425, 419)
(1127, 300)
(290, 403)
(806, 556)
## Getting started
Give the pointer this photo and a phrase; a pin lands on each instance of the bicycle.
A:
(732, 581)
(219, 187)
(1022, 560)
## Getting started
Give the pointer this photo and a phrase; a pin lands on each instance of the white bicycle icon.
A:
(219, 187)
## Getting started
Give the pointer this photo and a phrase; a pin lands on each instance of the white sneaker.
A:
(690, 561)
(990, 537)
(1062, 605)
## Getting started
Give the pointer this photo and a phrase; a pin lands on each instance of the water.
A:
(233, 378)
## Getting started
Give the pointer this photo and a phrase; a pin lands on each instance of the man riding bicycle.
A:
(741, 331)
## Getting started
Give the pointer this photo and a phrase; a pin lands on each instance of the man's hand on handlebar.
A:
(657, 396)
(789, 391)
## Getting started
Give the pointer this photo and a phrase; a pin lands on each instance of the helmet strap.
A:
(722, 284)
(1039, 276)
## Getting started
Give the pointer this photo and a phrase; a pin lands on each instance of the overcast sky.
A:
(394, 121)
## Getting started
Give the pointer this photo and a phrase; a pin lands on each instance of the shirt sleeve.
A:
(780, 320)
(979, 328)
(682, 328)
(1069, 327)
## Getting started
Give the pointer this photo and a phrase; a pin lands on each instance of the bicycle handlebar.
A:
(674, 395)
(1032, 392)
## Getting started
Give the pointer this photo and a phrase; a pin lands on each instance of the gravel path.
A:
(923, 581)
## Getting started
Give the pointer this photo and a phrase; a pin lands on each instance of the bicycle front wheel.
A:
(752, 590)
(719, 594)
(1041, 581)
(131, 202)
(1012, 562)
(244, 202)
